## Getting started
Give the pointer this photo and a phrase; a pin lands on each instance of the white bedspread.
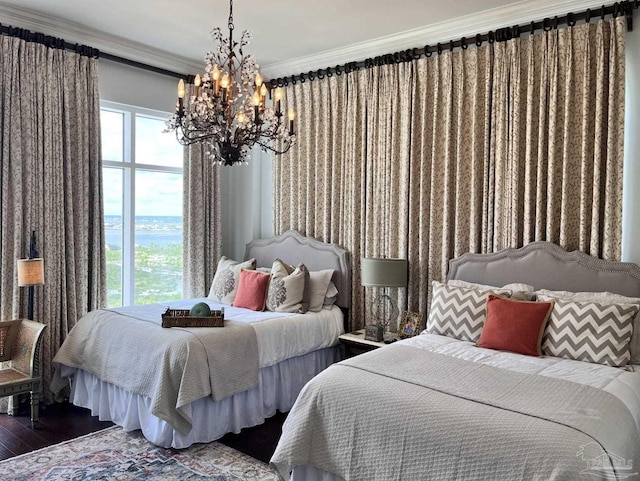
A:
(176, 366)
(623, 384)
(280, 335)
(368, 419)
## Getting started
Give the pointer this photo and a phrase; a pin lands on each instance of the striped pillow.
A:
(458, 312)
(586, 331)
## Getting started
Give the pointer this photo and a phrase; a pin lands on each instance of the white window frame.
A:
(128, 166)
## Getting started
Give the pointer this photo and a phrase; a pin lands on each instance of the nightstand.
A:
(354, 343)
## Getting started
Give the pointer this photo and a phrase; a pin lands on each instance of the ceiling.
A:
(283, 30)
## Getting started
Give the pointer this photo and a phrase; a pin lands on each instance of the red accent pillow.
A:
(515, 326)
(252, 290)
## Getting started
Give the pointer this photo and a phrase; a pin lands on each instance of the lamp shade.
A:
(378, 272)
(30, 272)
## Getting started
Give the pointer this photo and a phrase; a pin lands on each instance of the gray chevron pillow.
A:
(458, 312)
(590, 332)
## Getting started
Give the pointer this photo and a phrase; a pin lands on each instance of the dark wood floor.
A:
(57, 423)
(61, 422)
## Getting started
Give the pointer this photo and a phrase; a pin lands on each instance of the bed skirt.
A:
(277, 389)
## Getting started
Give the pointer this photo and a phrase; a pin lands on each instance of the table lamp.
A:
(31, 272)
(383, 273)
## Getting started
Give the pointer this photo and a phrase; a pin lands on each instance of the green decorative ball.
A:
(201, 309)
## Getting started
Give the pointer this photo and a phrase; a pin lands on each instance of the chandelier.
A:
(226, 109)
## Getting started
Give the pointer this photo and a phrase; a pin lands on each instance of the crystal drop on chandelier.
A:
(226, 108)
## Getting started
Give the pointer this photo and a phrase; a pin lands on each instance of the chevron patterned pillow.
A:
(590, 332)
(458, 312)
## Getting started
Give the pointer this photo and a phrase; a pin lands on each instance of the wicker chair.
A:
(20, 362)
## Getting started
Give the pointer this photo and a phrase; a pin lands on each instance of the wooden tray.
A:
(181, 318)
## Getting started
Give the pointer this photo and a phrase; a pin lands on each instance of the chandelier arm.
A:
(273, 149)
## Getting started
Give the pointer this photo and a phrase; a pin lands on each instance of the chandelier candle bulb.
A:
(181, 89)
(292, 117)
(215, 75)
(258, 81)
(224, 84)
(278, 96)
(263, 95)
(181, 97)
(256, 107)
(197, 82)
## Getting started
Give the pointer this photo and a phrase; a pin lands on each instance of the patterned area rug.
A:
(114, 454)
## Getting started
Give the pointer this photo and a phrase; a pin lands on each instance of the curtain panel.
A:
(474, 150)
(51, 178)
(557, 140)
(202, 236)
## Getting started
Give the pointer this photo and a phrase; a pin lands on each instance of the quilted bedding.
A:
(129, 349)
(406, 412)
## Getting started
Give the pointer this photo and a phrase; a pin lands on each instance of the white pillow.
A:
(605, 298)
(518, 291)
(597, 297)
(287, 288)
(331, 297)
(225, 282)
(318, 284)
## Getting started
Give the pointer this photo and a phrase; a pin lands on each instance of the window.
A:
(142, 183)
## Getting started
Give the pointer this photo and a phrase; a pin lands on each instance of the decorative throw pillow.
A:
(252, 290)
(605, 298)
(586, 331)
(457, 312)
(225, 282)
(287, 288)
(514, 326)
(318, 285)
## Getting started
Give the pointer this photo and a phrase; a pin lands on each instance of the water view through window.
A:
(158, 258)
(143, 182)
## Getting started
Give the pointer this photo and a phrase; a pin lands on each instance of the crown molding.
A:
(516, 13)
(513, 14)
(74, 33)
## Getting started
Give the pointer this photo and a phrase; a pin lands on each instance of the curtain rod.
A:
(500, 35)
(625, 8)
(54, 42)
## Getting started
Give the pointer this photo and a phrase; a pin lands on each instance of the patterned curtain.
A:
(450, 170)
(202, 236)
(474, 150)
(51, 178)
(318, 185)
(557, 143)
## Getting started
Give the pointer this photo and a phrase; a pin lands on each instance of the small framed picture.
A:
(410, 324)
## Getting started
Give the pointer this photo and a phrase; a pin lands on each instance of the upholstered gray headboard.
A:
(547, 266)
(293, 248)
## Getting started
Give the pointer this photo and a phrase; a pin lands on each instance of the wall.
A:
(247, 203)
(631, 197)
(133, 86)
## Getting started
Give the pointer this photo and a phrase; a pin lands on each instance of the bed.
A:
(193, 385)
(437, 407)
